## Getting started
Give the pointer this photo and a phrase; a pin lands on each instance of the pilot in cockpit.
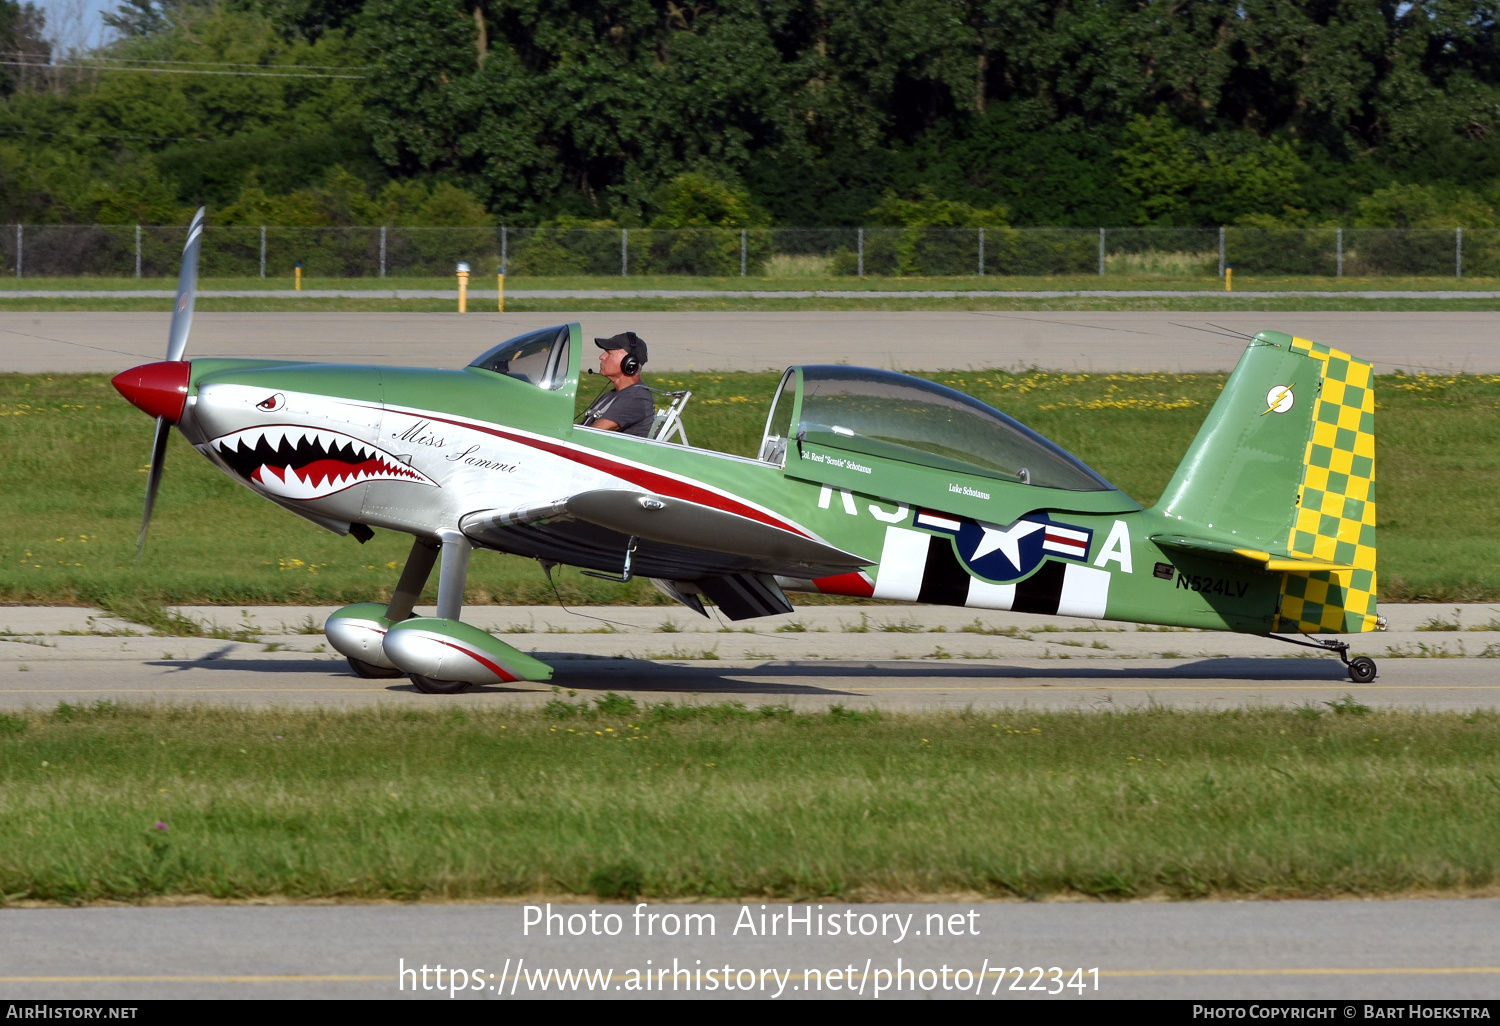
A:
(629, 406)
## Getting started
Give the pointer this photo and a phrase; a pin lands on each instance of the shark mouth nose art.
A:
(309, 463)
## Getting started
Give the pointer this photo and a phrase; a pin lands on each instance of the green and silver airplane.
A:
(868, 483)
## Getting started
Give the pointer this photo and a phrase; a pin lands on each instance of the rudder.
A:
(1282, 474)
(1335, 503)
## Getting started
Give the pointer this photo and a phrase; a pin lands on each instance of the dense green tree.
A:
(1114, 112)
(23, 36)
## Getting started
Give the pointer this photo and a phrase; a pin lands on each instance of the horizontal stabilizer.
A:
(1271, 561)
(673, 521)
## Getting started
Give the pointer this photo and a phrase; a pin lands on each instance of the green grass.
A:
(873, 283)
(1204, 303)
(721, 801)
(1202, 294)
(73, 475)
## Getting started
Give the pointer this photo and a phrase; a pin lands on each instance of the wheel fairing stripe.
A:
(505, 675)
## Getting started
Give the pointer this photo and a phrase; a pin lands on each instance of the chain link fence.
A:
(153, 251)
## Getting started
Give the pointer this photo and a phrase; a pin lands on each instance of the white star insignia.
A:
(1007, 540)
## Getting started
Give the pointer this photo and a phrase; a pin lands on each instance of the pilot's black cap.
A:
(628, 341)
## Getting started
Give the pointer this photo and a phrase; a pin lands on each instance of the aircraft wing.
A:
(675, 522)
(1271, 561)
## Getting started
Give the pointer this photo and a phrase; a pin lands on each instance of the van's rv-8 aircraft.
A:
(868, 483)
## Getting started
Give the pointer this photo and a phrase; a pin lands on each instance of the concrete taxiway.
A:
(903, 340)
(890, 657)
(1347, 950)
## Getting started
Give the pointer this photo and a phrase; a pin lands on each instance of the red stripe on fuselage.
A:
(855, 583)
(657, 482)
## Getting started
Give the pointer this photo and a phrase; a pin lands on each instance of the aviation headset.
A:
(635, 351)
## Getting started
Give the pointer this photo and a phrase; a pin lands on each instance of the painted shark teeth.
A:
(304, 463)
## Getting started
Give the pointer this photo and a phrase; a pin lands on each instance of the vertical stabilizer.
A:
(1282, 473)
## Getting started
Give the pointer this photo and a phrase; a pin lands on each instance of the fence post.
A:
(18, 251)
(624, 252)
(1341, 253)
(1458, 253)
(137, 251)
(861, 252)
(744, 251)
(382, 251)
(1101, 252)
(262, 251)
(981, 252)
(504, 246)
(1221, 251)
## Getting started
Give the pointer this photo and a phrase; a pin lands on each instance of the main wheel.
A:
(372, 672)
(433, 686)
(1362, 670)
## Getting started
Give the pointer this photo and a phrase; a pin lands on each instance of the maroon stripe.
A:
(493, 667)
(659, 483)
(856, 583)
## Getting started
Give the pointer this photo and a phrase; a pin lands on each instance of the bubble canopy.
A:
(895, 416)
(538, 357)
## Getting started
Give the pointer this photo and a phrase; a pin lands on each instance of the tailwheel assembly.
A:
(1361, 668)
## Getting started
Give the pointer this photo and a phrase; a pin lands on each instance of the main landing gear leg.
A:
(1361, 668)
(451, 578)
(408, 589)
(414, 576)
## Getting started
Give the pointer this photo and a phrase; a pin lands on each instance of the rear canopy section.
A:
(914, 441)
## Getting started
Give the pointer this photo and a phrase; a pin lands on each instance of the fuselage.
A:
(416, 450)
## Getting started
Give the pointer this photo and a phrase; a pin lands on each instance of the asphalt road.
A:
(247, 680)
(889, 657)
(903, 340)
(1339, 950)
(1344, 950)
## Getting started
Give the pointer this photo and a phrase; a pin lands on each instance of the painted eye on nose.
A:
(271, 403)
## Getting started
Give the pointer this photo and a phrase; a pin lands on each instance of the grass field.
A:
(720, 801)
(73, 475)
(873, 283)
(893, 293)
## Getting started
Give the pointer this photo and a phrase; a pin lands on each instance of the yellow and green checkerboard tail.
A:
(1335, 515)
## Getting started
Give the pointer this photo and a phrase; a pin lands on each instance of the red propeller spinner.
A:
(158, 388)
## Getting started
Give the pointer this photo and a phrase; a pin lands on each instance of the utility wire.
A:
(96, 135)
(210, 64)
(174, 71)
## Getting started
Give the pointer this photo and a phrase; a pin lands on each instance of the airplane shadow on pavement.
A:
(804, 677)
(813, 678)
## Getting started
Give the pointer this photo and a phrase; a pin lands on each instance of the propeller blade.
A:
(153, 478)
(187, 289)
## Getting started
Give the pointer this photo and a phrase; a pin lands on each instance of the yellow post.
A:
(297, 274)
(500, 280)
(463, 288)
(1229, 279)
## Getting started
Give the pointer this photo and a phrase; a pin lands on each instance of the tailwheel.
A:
(433, 686)
(1361, 668)
(372, 672)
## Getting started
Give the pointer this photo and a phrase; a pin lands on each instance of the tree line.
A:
(745, 113)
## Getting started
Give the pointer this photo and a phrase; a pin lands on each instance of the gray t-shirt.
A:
(631, 407)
